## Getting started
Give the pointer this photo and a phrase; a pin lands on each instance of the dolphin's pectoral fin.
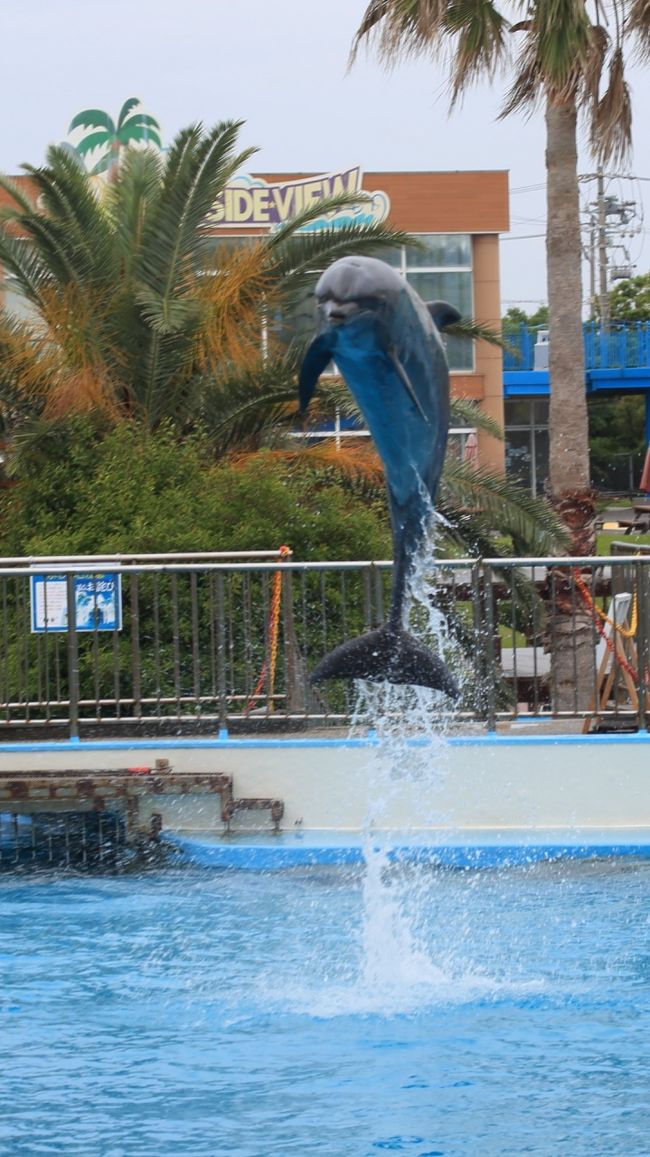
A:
(390, 655)
(317, 358)
(401, 372)
(443, 313)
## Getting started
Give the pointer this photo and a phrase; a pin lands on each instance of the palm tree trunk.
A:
(570, 624)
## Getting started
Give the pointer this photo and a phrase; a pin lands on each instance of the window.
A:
(442, 271)
(15, 302)
(526, 429)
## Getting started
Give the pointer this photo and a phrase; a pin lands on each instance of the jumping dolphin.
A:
(386, 344)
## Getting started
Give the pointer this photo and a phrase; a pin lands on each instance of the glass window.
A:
(519, 459)
(440, 250)
(394, 257)
(541, 460)
(516, 412)
(15, 303)
(526, 422)
(456, 288)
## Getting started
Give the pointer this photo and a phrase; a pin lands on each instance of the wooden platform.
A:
(129, 791)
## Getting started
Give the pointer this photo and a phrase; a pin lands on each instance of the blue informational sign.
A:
(97, 601)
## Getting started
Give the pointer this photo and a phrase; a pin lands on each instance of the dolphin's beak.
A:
(338, 312)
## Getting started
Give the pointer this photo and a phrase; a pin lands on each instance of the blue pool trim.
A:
(224, 744)
(280, 855)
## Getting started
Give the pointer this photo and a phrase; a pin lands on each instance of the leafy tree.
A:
(103, 132)
(515, 317)
(617, 434)
(137, 491)
(630, 299)
(617, 440)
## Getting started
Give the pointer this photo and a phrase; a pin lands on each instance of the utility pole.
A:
(608, 221)
(603, 295)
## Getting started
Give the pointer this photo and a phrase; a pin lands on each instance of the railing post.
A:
(73, 658)
(136, 690)
(221, 657)
(643, 646)
(488, 603)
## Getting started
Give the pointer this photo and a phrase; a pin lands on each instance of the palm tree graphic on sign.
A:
(101, 131)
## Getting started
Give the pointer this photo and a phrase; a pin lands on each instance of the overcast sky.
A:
(281, 67)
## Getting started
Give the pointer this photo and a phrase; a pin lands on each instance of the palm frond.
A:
(468, 327)
(244, 421)
(21, 204)
(400, 29)
(235, 298)
(479, 30)
(469, 413)
(128, 202)
(611, 129)
(92, 118)
(70, 215)
(21, 259)
(94, 141)
(167, 315)
(197, 167)
(504, 505)
(140, 128)
(638, 23)
(131, 103)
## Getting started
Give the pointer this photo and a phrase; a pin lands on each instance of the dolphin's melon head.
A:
(354, 284)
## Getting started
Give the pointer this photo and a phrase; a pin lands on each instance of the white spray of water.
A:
(410, 724)
(408, 959)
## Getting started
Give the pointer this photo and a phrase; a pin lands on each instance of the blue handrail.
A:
(625, 346)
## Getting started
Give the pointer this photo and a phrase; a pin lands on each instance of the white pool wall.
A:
(528, 783)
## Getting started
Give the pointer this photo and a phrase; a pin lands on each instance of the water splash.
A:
(411, 725)
(392, 955)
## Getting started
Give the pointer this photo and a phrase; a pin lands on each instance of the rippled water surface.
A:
(322, 1011)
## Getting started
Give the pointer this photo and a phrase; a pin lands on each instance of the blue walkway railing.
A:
(625, 346)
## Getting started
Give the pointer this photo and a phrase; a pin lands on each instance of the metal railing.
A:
(206, 645)
(625, 345)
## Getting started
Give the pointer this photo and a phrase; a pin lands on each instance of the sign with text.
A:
(97, 602)
(251, 201)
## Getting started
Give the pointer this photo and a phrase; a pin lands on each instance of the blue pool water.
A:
(327, 1011)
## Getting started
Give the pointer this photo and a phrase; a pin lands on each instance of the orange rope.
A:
(600, 619)
(626, 632)
(269, 665)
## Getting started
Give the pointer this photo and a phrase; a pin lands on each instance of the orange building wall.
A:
(453, 202)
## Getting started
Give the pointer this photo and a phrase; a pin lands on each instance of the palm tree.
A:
(137, 313)
(570, 56)
(103, 132)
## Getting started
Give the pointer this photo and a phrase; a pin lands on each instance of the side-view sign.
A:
(252, 201)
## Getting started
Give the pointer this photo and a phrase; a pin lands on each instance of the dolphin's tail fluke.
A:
(388, 654)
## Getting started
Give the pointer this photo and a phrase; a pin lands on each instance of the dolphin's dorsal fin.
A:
(443, 313)
(317, 358)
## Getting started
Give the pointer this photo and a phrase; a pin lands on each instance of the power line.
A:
(529, 188)
(523, 237)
